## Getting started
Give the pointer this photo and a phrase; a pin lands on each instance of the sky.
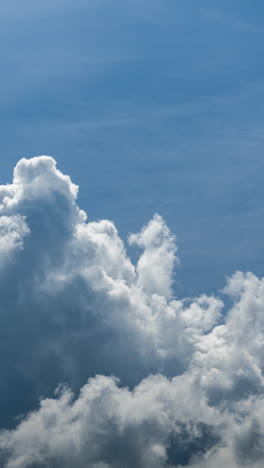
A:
(131, 259)
(150, 107)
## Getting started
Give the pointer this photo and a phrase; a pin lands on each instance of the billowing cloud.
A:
(148, 379)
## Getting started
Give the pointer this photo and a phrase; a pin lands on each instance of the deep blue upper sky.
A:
(150, 106)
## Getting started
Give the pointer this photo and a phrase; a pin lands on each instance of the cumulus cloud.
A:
(155, 266)
(148, 379)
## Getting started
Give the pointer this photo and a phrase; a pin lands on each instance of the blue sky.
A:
(150, 106)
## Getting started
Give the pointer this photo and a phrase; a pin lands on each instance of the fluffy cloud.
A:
(74, 309)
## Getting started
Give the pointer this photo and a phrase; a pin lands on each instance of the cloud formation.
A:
(155, 380)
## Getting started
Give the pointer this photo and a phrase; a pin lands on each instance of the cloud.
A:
(188, 385)
(155, 266)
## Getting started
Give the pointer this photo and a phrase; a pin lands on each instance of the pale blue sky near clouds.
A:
(150, 107)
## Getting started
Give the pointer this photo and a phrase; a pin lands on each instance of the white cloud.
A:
(12, 231)
(73, 306)
(155, 266)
